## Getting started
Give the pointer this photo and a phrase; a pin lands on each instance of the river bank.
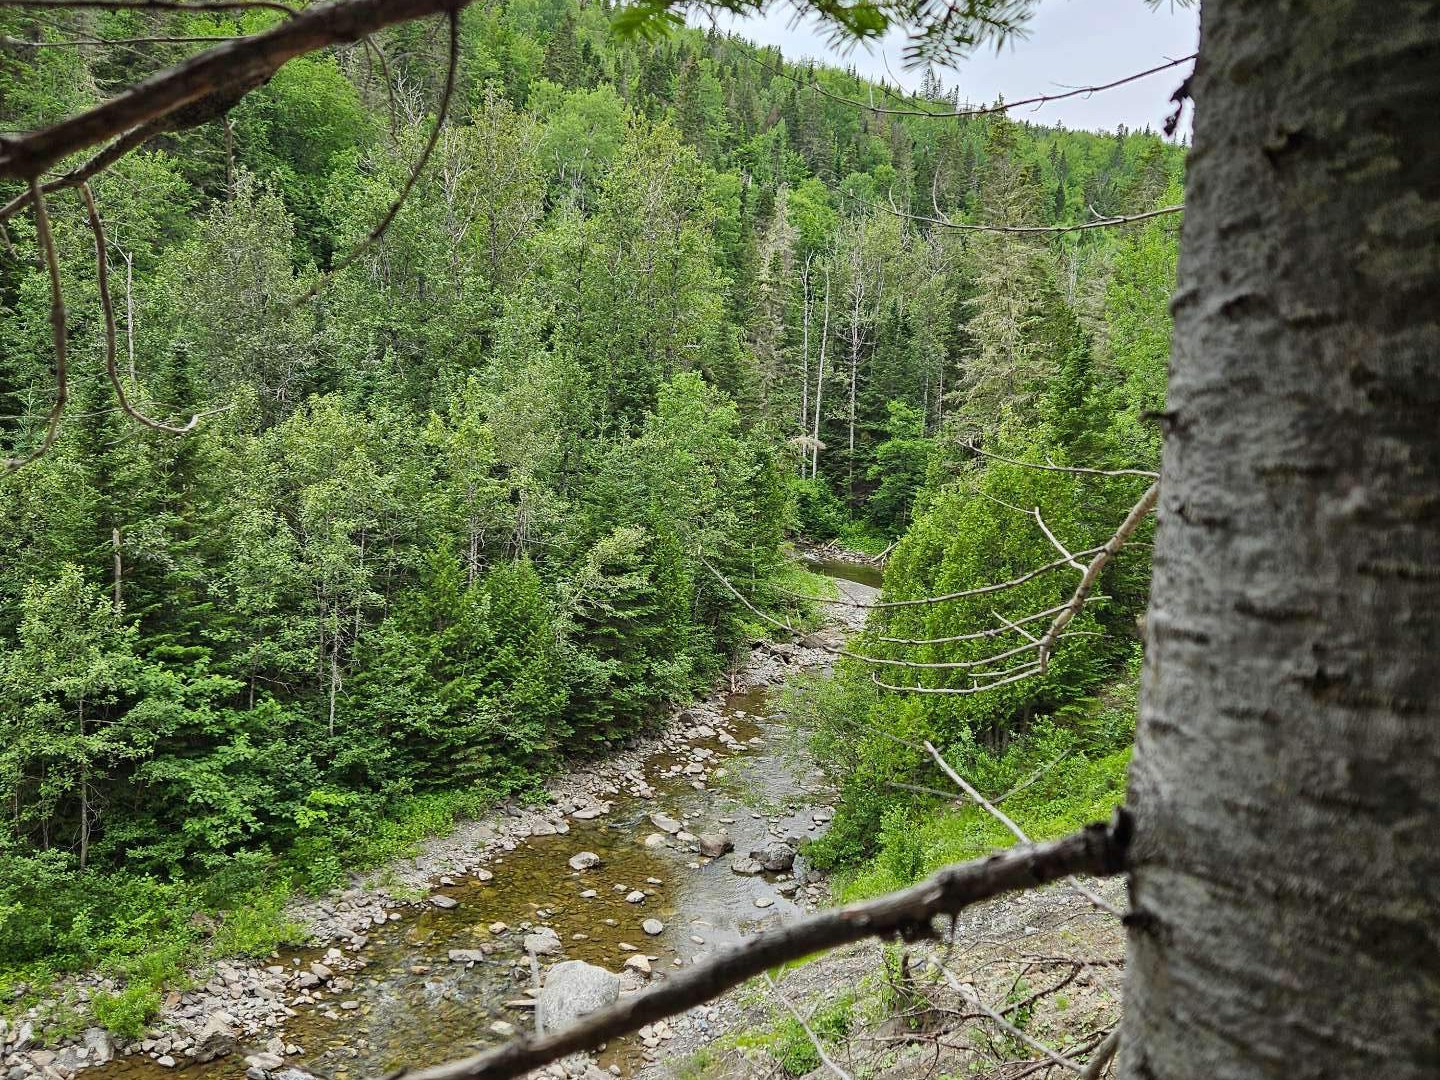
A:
(430, 956)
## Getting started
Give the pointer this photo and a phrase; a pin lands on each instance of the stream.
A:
(405, 1000)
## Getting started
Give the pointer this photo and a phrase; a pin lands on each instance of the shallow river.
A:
(414, 1007)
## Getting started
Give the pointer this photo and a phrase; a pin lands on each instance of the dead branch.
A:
(960, 665)
(1022, 230)
(107, 308)
(426, 151)
(805, 1027)
(982, 590)
(951, 114)
(1013, 676)
(212, 79)
(51, 262)
(1103, 1053)
(1050, 467)
(973, 1000)
(20, 43)
(1098, 849)
(1091, 575)
(1004, 819)
(977, 635)
(156, 5)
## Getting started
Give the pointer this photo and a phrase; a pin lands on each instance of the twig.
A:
(1091, 575)
(805, 1027)
(107, 308)
(951, 114)
(51, 261)
(1103, 1053)
(973, 1000)
(453, 16)
(1019, 833)
(1073, 469)
(1097, 850)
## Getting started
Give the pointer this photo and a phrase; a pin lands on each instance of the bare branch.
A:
(1009, 823)
(1092, 572)
(424, 159)
(962, 665)
(1024, 230)
(51, 261)
(950, 114)
(103, 160)
(1099, 849)
(1055, 541)
(1013, 676)
(982, 590)
(1048, 467)
(973, 1000)
(107, 308)
(1103, 1053)
(805, 1027)
(20, 43)
(155, 5)
(992, 632)
(211, 80)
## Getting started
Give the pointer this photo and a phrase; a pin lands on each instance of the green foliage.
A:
(443, 526)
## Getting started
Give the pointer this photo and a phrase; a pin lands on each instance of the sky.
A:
(1070, 43)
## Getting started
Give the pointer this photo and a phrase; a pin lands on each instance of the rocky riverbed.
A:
(635, 866)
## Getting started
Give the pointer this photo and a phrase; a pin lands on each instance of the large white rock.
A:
(574, 989)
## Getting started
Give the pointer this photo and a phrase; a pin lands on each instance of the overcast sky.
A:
(1070, 43)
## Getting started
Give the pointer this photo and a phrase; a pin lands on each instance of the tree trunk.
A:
(1286, 784)
(820, 381)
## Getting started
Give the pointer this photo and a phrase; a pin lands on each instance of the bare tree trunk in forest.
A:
(820, 380)
(84, 793)
(118, 599)
(804, 353)
(1286, 783)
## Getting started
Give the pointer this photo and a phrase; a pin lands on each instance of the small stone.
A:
(503, 1028)
(584, 860)
(665, 823)
(638, 963)
(484, 875)
(655, 840)
(349, 1006)
(653, 927)
(764, 901)
(498, 928)
(589, 894)
(635, 897)
(443, 902)
(165, 1061)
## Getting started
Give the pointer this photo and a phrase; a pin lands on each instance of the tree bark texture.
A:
(1286, 784)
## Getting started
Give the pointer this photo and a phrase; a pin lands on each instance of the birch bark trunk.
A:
(1286, 781)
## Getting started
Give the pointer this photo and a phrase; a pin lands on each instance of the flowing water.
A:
(410, 1005)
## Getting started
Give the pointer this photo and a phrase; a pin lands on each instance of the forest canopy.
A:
(445, 516)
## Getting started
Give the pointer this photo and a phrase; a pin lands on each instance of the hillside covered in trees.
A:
(449, 511)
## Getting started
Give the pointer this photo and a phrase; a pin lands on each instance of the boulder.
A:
(266, 1062)
(543, 942)
(574, 989)
(97, 1041)
(584, 860)
(217, 1037)
(775, 856)
(715, 844)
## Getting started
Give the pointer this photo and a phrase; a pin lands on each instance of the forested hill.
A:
(441, 522)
